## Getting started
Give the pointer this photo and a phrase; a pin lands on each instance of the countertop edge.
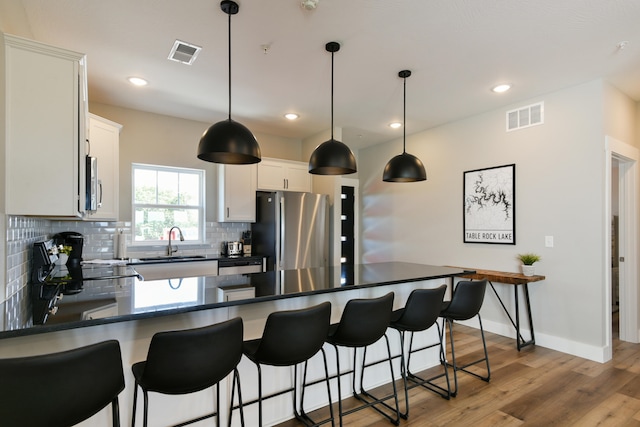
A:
(40, 329)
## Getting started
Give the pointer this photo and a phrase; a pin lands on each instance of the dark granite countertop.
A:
(110, 300)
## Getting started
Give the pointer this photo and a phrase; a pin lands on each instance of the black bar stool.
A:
(420, 313)
(290, 338)
(61, 389)
(364, 322)
(186, 361)
(465, 304)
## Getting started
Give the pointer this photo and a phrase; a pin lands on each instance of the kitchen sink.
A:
(169, 267)
(170, 258)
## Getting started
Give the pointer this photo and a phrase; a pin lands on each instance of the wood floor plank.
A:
(499, 419)
(614, 411)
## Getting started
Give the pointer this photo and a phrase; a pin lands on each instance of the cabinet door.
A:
(283, 175)
(104, 144)
(237, 193)
(298, 177)
(271, 175)
(45, 123)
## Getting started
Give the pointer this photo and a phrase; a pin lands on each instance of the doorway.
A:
(615, 251)
(621, 249)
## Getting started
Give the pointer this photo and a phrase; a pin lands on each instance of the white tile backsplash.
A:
(23, 232)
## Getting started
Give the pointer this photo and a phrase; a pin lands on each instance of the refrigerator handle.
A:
(281, 223)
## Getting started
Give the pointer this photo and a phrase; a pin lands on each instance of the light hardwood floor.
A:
(533, 387)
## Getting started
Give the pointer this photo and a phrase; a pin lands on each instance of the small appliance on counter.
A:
(246, 243)
(76, 241)
(50, 281)
(232, 249)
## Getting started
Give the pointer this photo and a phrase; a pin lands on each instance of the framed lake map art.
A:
(490, 205)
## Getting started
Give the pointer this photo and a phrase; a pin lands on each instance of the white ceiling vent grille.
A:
(184, 52)
(525, 117)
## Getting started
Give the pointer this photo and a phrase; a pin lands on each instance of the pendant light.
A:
(332, 157)
(404, 167)
(228, 141)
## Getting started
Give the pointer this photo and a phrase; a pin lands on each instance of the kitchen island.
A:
(136, 309)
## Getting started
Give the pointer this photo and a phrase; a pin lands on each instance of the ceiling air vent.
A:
(184, 52)
(524, 117)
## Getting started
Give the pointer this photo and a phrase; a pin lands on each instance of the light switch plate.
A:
(548, 241)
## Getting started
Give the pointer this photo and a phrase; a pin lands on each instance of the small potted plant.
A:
(528, 259)
(62, 251)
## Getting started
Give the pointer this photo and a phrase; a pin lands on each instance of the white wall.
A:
(559, 192)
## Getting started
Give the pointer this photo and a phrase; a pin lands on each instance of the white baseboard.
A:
(585, 351)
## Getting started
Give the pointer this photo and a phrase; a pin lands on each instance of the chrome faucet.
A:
(170, 250)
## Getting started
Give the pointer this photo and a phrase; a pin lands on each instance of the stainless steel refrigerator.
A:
(291, 229)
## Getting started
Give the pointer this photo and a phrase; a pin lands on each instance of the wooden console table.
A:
(514, 279)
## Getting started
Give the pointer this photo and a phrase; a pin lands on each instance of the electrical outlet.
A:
(548, 241)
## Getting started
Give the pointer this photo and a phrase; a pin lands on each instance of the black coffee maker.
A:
(76, 241)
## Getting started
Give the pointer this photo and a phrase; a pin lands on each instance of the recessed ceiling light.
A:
(395, 125)
(291, 116)
(501, 88)
(137, 81)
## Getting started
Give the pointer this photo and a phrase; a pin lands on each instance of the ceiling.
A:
(456, 49)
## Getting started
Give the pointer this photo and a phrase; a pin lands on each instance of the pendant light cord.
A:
(332, 53)
(404, 118)
(229, 67)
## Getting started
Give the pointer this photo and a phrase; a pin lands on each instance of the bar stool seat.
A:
(61, 389)
(187, 361)
(291, 338)
(364, 322)
(465, 304)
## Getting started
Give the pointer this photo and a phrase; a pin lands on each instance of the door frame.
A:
(627, 157)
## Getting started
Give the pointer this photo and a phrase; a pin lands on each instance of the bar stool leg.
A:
(115, 412)
(403, 373)
(259, 395)
(453, 359)
(376, 401)
(429, 383)
(135, 399)
(236, 383)
(326, 373)
(339, 386)
(146, 408)
(302, 413)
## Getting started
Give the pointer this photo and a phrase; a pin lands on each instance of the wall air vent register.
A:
(524, 117)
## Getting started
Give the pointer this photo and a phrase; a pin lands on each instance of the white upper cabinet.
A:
(44, 119)
(104, 145)
(283, 175)
(237, 193)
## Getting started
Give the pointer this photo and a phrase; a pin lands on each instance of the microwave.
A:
(93, 186)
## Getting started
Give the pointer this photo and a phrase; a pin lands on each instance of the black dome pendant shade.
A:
(332, 157)
(404, 167)
(228, 141)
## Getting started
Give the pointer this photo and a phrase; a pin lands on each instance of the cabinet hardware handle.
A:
(100, 200)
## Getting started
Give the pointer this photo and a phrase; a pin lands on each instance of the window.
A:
(347, 236)
(164, 197)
